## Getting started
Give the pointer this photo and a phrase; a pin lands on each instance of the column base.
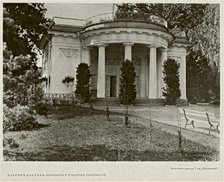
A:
(182, 102)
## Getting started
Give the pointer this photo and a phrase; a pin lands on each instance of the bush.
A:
(200, 78)
(18, 118)
(43, 108)
(127, 83)
(21, 81)
(171, 79)
(83, 81)
(67, 80)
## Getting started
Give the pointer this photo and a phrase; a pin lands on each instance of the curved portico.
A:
(103, 43)
(146, 47)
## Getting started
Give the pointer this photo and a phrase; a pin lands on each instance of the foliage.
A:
(23, 25)
(44, 79)
(18, 118)
(201, 23)
(21, 85)
(216, 85)
(127, 83)
(199, 78)
(206, 37)
(43, 107)
(83, 81)
(67, 80)
(206, 40)
(171, 80)
(178, 16)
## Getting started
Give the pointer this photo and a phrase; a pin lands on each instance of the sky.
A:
(77, 10)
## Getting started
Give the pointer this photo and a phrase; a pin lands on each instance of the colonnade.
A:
(155, 82)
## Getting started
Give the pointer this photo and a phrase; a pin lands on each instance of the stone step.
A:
(106, 101)
(137, 102)
(149, 102)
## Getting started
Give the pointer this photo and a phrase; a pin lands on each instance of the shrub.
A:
(127, 83)
(21, 83)
(83, 81)
(200, 78)
(67, 80)
(18, 118)
(171, 80)
(43, 108)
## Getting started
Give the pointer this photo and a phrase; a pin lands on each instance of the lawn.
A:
(81, 134)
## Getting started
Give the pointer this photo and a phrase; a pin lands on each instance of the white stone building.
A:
(103, 42)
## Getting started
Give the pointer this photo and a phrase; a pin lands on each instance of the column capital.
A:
(164, 49)
(101, 44)
(86, 47)
(153, 46)
(128, 43)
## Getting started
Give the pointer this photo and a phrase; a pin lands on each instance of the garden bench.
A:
(191, 117)
(212, 121)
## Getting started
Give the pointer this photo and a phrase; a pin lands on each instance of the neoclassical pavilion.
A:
(103, 42)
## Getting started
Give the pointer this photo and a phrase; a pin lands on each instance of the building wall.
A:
(65, 55)
(179, 54)
(66, 51)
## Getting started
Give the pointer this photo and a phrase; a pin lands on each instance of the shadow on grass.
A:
(67, 112)
(103, 153)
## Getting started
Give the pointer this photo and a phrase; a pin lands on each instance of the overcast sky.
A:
(77, 10)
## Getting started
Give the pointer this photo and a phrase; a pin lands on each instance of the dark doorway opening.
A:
(112, 86)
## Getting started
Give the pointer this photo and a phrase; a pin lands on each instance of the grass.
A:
(81, 134)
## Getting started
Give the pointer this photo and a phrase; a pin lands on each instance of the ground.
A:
(81, 134)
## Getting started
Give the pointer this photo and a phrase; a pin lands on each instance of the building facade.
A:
(103, 42)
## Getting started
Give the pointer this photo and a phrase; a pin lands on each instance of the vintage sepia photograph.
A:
(111, 82)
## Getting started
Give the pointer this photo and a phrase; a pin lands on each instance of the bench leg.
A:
(192, 122)
(186, 123)
(217, 128)
(211, 126)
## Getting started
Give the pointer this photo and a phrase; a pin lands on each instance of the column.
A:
(183, 77)
(127, 50)
(152, 73)
(161, 83)
(142, 77)
(101, 71)
(146, 77)
(86, 55)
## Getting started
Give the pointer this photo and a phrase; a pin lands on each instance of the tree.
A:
(171, 80)
(199, 78)
(20, 86)
(68, 81)
(127, 83)
(180, 17)
(206, 40)
(205, 36)
(23, 25)
(83, 81)
(200, 22)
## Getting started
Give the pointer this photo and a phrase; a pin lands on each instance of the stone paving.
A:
(170, 115)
